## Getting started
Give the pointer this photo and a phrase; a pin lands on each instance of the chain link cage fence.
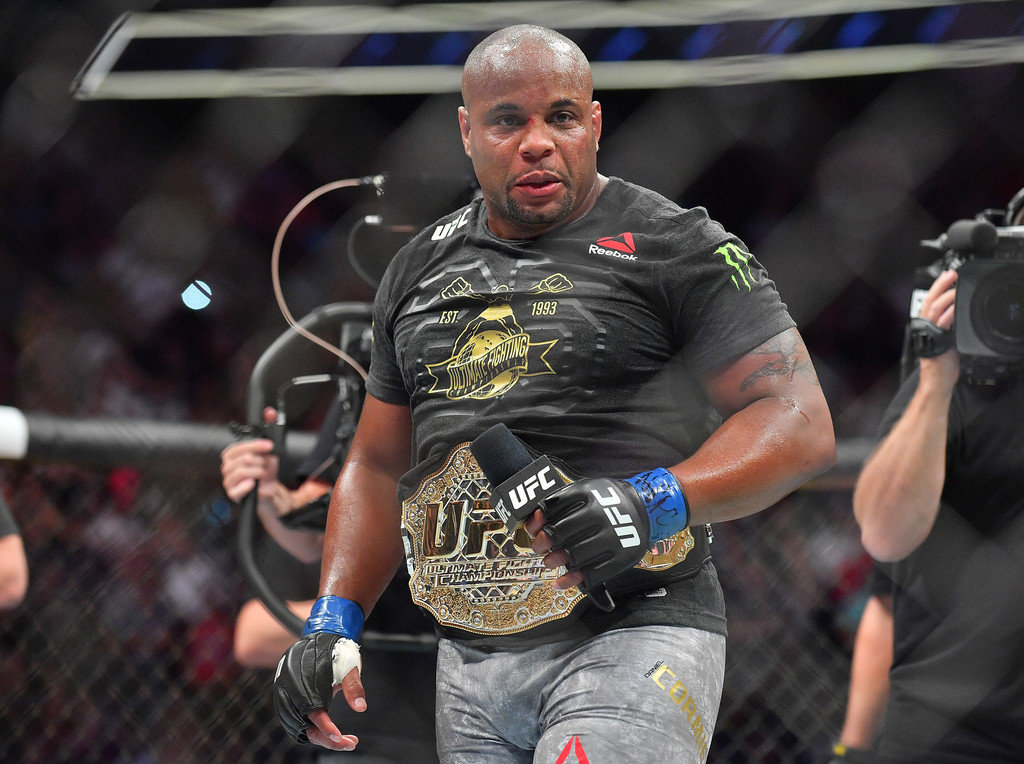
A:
(122, 650)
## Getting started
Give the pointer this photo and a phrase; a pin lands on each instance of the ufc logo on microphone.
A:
(527, 490)
(623, 524)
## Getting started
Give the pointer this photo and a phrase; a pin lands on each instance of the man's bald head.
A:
(512, 50)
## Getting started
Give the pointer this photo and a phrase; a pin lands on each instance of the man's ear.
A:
(464, 129)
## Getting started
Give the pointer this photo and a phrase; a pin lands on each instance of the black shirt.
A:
(587, 342)
(957, 680)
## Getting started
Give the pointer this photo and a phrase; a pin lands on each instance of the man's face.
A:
(531, 130)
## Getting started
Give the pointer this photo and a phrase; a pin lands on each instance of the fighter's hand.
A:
(938, 307)
(247, 462)
(596, 528)
(309, 675)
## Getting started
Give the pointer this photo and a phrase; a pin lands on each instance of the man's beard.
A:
(528, 216)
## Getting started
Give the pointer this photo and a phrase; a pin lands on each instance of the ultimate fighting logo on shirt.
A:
(493, 352)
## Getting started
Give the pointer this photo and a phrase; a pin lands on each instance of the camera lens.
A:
(997, 309)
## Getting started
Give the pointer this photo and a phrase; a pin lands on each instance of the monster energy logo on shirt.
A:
(738, 259)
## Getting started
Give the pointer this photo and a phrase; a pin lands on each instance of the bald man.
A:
(636, 344)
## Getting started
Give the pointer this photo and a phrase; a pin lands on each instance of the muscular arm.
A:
(777, 433)
(362, 543)
(896, 499)
(362, 551)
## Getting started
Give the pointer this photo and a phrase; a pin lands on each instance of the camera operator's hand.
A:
(943, 370)
(247, 462)
(325, 660)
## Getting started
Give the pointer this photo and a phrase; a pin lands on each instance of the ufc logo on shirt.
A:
(623, 524)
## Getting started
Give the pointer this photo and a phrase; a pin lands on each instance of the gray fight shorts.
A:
(648, 693)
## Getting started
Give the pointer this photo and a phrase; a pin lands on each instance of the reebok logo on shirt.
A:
(620, 246)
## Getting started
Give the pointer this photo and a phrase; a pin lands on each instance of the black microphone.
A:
(971, 236)
(520, 483)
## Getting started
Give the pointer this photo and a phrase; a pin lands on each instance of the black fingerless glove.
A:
(309, 670)
(304, 682)
(601, 524)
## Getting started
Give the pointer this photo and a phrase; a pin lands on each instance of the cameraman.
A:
(942, 497)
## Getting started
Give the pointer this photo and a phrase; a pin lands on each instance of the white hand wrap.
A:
(344, 658)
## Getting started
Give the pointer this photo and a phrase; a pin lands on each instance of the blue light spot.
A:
(781, 35)
(859, 30)
(701, 42)
(623, 45)
(933, 29)
(197, 295)
(449, 49)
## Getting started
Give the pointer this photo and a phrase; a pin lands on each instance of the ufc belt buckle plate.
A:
(470, 573)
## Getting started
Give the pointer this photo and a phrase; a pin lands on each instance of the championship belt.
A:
(471, 574)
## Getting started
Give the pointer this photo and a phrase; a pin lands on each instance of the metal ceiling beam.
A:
(624, 75)
(97, 80)
(476, 16)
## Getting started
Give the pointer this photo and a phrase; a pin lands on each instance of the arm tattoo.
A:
(785, 356)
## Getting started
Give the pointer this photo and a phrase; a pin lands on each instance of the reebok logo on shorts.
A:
(573, 748)
(620, 246)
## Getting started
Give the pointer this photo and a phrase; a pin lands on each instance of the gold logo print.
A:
(553, 284)
(493, 352)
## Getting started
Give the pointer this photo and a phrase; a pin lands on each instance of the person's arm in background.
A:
(869, 680)
(260, 639)
(13, 564)
(896, 499)
(247, 462)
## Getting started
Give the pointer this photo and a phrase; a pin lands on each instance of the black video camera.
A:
(988, 330)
